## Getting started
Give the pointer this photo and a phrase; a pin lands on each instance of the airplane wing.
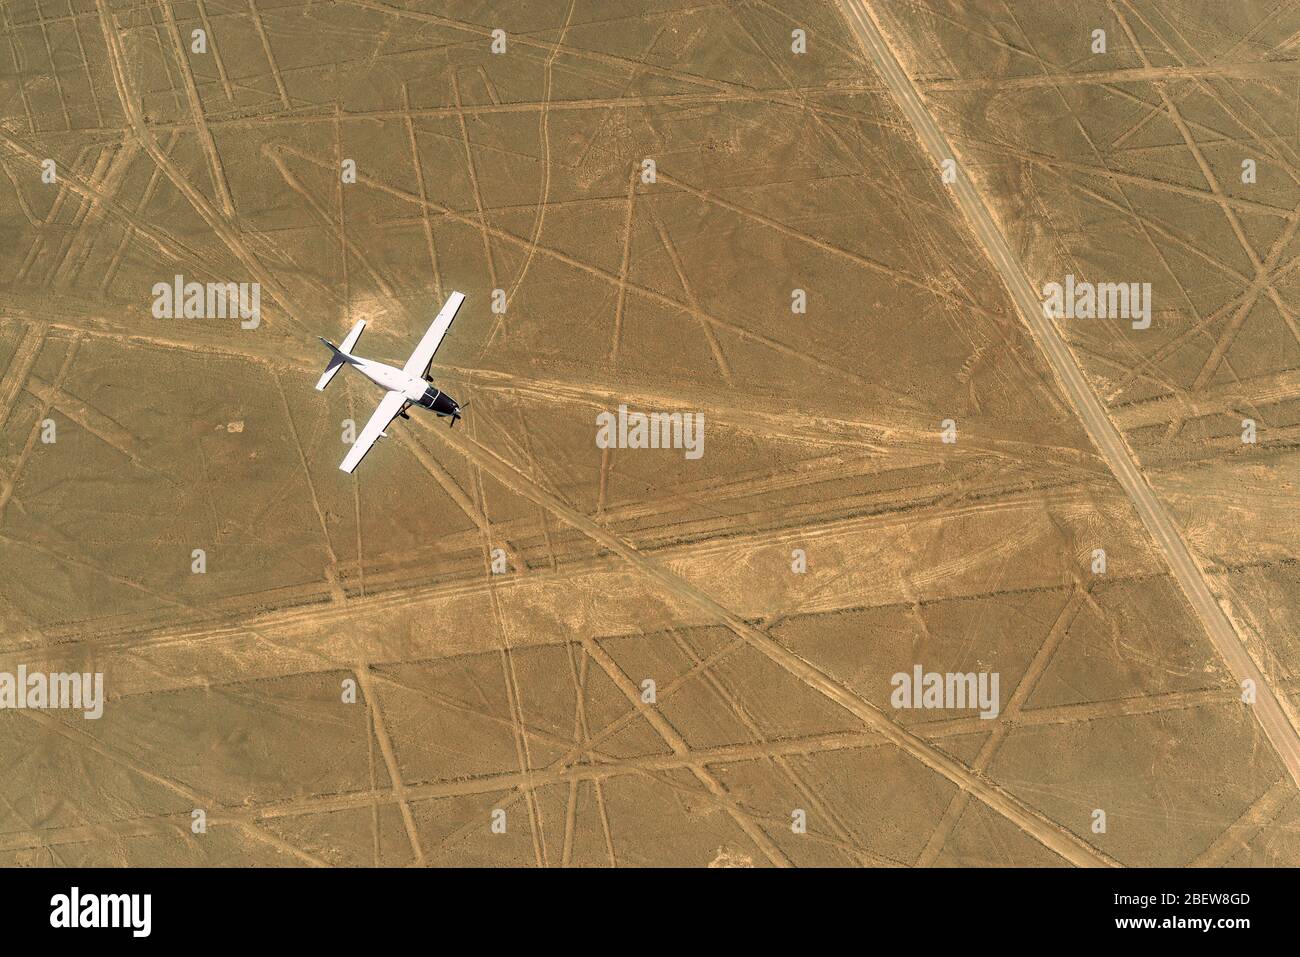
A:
(389, 406)
(418, 364)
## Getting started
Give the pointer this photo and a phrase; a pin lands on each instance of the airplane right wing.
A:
(389, 406)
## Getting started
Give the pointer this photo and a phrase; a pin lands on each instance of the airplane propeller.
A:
(455, 417)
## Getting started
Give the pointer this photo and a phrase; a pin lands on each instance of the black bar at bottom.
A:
(449, 907)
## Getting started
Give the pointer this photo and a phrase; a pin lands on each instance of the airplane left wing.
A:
(418, 364)
(389, 406)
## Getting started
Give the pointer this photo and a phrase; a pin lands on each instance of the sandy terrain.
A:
(443, 660)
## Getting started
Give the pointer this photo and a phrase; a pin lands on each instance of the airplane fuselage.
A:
(416, 389)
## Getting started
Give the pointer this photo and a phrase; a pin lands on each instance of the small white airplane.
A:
(404, 386)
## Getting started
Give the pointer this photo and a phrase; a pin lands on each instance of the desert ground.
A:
(501, 644)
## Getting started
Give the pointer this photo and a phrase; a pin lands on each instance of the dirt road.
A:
(1105, 436)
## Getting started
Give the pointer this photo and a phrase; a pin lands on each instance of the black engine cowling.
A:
(439, 402)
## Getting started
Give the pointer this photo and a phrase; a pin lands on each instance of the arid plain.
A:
(443, 660)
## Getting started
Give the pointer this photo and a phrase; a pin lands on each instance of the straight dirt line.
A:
(1105, 436)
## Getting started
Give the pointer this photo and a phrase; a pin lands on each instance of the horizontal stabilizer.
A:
(336, 362)
(340, 354)
(350, 342)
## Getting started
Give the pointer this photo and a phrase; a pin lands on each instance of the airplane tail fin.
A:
(340, 354)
